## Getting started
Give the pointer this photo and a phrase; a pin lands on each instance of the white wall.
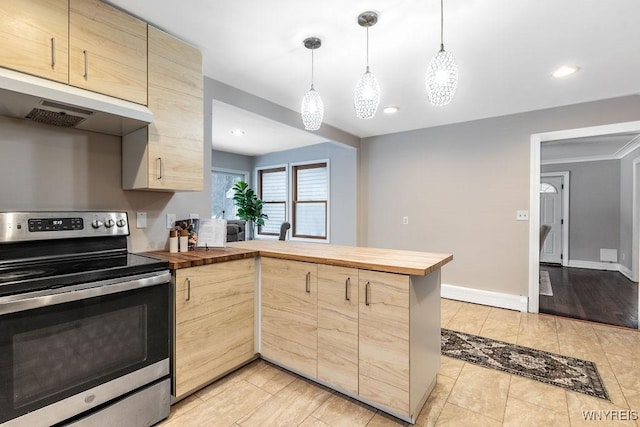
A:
(460, 186)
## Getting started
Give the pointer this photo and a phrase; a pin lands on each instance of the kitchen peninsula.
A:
(363, 321)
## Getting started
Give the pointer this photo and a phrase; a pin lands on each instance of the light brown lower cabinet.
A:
(384, 339)
(289, 324)
(214, 322)
(376, 336)
(338, 326)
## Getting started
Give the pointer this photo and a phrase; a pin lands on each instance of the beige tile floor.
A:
(261, 394)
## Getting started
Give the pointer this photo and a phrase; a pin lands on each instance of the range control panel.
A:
(55, 224)
(25, 226)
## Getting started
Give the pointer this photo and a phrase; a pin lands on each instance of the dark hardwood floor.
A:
(599, 296)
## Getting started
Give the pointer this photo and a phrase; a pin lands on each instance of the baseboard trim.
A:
(626, 272)
(594, 265)
(490, 298)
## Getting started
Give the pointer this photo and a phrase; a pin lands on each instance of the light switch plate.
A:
(522, 215)
(141, 220)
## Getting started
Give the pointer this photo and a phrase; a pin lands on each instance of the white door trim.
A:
(565, 212)
(635, 242)
(534, 194)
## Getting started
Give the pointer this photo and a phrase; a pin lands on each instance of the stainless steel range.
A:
(84, 325)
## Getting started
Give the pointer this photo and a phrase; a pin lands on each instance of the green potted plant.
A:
(249, 207)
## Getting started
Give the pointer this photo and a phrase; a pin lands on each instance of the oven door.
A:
(65, 351)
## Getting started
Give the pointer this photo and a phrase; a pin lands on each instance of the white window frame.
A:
(246, 174)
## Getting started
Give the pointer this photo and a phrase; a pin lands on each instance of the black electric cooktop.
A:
(19, 277)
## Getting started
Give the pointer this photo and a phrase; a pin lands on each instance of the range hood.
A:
(33, 98)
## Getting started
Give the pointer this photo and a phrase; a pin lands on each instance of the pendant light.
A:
(312, 108)
(442, 75)
(366, 96)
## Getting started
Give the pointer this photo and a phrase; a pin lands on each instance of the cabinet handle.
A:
(347, 289)
(53, 52)
(159, 168)
(188, 289)
(308, 282)
(86, 65)
(367, 292)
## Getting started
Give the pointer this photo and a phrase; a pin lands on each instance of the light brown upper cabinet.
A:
(34, 36)
(107, 51)
(168, 154)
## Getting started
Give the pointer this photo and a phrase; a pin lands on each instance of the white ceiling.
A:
(505, 50)
(602, 147)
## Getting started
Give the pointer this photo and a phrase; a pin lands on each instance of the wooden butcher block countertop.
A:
(386, 260)
(202, 257)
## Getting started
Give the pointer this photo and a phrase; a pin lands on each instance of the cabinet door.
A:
(384, 339)
(338, 326)
(175, 97)
(214, 316)
(35, 37)
(107, 51)
(289, 313)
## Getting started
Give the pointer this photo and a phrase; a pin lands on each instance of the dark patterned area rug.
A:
(562, 371)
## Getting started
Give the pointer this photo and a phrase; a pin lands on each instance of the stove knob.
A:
(109, 223)
(96, 223)
(121, 222)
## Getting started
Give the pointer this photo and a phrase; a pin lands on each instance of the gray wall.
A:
(594, 207)
(343, 181)
(232, 161)
(626, 208)
(460, 186)
(48, 168)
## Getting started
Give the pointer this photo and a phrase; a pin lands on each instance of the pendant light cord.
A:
(312, 68)
(442, 25)
(367, 48)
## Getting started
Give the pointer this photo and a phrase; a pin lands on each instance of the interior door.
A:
(551, 194)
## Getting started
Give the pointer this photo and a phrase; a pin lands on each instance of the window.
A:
(547, 188)
(272, 184)
(222, 205)
(309, 203)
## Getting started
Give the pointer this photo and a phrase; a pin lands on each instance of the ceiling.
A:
(506, 51)
(601, 147)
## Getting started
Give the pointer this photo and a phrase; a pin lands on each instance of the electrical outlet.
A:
(405, 220)
(522, 215)
(171, 221)
(141, 220)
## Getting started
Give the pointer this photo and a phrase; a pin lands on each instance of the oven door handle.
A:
(32, 300)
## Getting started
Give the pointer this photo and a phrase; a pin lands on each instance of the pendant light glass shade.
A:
(442, 75)
(442, 78)
(366, 95)
(312, 110)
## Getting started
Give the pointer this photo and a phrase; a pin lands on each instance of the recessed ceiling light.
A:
(237, 132)
(565, 70)
(390, 110)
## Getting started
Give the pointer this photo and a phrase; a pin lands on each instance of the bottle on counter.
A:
(184, 241)
(173, 241)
